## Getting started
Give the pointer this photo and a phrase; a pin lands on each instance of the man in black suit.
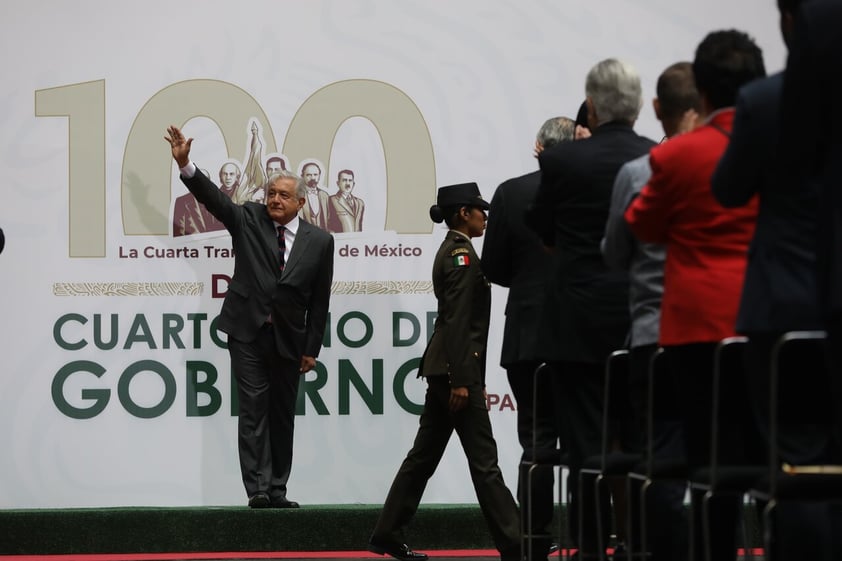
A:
(779, 291)
(569, 213)
(813, 151)
(274, 313)
(781, 284)
(512, 256)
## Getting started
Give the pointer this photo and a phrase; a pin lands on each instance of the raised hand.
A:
(180, 145)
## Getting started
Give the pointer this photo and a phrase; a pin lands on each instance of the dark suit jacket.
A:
(343, 218)
(513, 256)
(189, 217)
(811, 142)
(460, 335)
(779, 291)
(324, 218)
(297, 299)
(570, 212)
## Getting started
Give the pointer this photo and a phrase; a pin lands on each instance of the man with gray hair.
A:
(512, 256)
(569, 214)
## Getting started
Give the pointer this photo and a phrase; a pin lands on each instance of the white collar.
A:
(292, 225)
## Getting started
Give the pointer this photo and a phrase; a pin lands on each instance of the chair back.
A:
(730, 405)
(616, 409)
(799, 384)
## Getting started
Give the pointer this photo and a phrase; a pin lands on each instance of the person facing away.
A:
(274, 314)
(453, 364)
(589, 300)
(703, 273)
(513, 256)
(814, 72)
(676, 106)
(813, 79)
(780, 292)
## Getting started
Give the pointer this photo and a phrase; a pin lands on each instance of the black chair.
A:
(599, 472)
(534, 459)
(661, 408)
(785, 483)
(729, 476)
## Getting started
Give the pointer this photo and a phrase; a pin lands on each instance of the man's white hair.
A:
(614, 89)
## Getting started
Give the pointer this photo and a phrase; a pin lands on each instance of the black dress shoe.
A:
(259, 500)
(399, 551)
(283, 503)
(620, 553)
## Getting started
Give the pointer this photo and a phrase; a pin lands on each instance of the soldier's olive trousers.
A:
(473, 427)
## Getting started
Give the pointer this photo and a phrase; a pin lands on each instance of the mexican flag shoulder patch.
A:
(462, 260)
(461, 257)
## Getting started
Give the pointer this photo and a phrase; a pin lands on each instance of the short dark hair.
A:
(676, 90)
(346, 172)
(582, 115)
(276, 159)
(790, 6)
(725, 61)
(318, 167)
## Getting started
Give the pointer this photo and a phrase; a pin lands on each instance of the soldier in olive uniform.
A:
(454, 366)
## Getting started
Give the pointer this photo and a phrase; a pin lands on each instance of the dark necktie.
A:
(282, 246)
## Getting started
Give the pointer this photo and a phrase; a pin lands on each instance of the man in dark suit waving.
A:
(274, 314)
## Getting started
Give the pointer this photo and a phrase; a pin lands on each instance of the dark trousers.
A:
(805, 406)
(473, 427)
(691, 366)
(538, 427)
(834, 361)
(807, 435)
(805, 530)
(667, 530)
(267, 387)
(579, 391)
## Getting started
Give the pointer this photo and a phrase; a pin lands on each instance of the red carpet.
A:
(243, 555)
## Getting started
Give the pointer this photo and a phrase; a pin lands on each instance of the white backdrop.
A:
(418, 94)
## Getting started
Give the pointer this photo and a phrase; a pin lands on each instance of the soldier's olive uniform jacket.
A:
(457, 347)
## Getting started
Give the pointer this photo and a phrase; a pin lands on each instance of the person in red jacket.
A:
(706, 245)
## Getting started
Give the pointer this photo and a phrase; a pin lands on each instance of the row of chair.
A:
(766, 484)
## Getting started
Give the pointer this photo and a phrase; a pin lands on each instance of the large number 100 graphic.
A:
(147, 169)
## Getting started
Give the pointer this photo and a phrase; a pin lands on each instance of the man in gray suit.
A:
(677, 107)
(274, 313)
